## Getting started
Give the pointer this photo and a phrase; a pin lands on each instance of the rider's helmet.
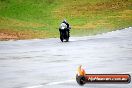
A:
(64, 20)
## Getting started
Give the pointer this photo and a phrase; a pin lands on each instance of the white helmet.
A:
(64, 20)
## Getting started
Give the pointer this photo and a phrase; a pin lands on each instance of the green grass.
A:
(87, 17)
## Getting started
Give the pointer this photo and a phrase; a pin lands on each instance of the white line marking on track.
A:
(34, 86)
(55, 83)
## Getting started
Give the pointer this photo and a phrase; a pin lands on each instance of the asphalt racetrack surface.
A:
(49, 63)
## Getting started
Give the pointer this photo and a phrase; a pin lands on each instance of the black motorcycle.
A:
(64, 33)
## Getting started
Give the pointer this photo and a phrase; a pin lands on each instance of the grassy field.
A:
(26, 19)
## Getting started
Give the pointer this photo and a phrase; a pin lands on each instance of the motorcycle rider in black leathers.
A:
(68, 27)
